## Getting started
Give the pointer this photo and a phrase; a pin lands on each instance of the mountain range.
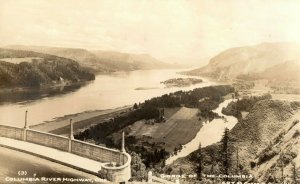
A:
(276, 61)
(100, 61)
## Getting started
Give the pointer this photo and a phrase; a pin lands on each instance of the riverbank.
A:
(27, 94)
(81, 121)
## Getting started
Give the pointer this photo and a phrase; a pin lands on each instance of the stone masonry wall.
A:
(95, 152)
(50, 140)
(11, 132)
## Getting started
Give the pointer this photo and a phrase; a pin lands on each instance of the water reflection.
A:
(28, 95)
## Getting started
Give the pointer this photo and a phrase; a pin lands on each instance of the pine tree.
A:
(294, 172)
(199, 163)
(135, 106)
(225, 151)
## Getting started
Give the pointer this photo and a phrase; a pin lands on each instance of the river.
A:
(210, 133)
(106, 92)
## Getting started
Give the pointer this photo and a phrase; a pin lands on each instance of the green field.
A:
(181, 126)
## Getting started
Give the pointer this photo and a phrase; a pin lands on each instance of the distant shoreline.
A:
(25, 94)
(42, 87)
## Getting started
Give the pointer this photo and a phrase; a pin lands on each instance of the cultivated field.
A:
(181, 126)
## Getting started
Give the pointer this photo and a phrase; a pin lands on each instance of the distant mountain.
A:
(187, 62)
(125, 61)
(20, 68)
(287, 71)
(250, 60)
(101, 61)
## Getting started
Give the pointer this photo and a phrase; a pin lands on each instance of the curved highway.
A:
(14, 164)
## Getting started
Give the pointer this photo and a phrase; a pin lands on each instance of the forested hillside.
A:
(264, 143)
(41, 69)
(100, 61)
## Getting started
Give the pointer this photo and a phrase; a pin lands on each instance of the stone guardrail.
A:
(47, 139)
(11, 132)
(118, 173)
(117, 163)
(95, 152)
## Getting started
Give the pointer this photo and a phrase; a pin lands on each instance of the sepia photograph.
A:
(149, 91)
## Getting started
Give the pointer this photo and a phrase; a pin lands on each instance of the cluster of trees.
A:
(138, 168)
(47, 69)
(245, 104)
(152, 155)
(102, 132)
(181, 82)
(205, 99)
(216, 158)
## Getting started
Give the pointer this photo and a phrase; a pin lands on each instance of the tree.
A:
(138, 168)
(225, 152)
(180, 171)
(199, 163)
(294, 172)
(135, 106)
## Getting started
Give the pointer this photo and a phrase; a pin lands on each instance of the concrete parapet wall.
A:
(116, 166)
(95, 152)
(11, 132)
(46, 139)
(118, 173)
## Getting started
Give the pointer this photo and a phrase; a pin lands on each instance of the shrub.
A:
(296, 134)
(293, 124)
(267, 155)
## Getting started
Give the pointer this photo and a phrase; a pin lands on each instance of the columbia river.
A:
(106, 92)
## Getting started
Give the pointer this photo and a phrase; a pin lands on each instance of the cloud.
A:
(185, 29)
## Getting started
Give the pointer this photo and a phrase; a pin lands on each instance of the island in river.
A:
(181, 82)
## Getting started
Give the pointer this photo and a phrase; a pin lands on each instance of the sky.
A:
(185, 29)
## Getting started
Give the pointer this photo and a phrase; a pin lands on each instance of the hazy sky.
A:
(184, 29)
